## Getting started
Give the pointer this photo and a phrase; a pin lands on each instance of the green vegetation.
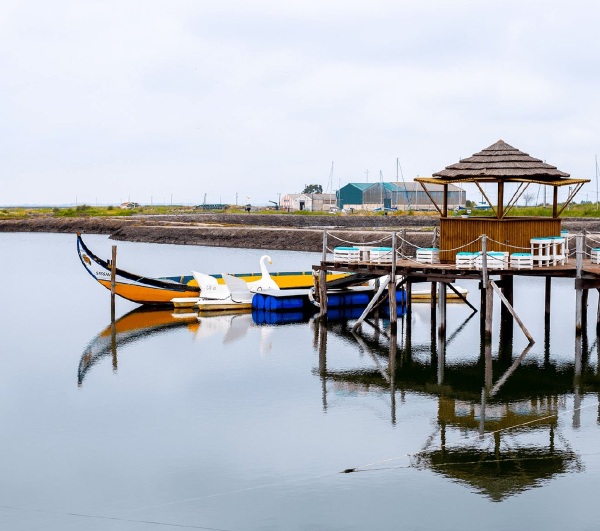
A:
(581, 210)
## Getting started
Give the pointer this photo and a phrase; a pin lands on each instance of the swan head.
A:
(266, 258)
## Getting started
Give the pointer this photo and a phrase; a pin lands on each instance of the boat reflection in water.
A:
(144, 323)
(497, 436)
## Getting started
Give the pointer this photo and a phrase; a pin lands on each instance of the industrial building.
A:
(403, 196)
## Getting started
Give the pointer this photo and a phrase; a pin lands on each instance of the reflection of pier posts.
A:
(392, 371)
(576, 386)
(113, 344)
(323, 362)
(487, 352)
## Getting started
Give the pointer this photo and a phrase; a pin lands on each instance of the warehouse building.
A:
(403, 196)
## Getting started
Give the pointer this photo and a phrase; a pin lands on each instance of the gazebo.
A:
(499, 164)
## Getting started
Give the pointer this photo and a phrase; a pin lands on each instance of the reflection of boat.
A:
(144, 323)
(133, 326)
(160, 291)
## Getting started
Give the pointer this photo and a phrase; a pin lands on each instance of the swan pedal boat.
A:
(161, 291)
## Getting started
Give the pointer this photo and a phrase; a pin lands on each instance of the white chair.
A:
(595, 255)
(541, 250)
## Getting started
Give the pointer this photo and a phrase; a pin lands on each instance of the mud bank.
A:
(281, 232)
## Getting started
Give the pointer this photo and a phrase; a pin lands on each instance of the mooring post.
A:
(433, 304)
(392, 289)
(578, 290)
(489, 295)
(323, 280)
(113, 326)
(113, 282)
(548, 294)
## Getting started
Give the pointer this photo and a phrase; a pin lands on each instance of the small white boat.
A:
(418, 295)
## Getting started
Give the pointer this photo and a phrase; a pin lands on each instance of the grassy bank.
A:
(587, 210)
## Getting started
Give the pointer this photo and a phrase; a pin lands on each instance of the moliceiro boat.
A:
(162, 290)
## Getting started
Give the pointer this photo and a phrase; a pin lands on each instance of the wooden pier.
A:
(403, 273)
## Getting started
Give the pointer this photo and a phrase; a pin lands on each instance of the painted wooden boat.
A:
(161, 290)
(136, 288)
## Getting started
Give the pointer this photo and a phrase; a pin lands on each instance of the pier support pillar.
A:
(392, 291)
(578, 289)
(506, 319)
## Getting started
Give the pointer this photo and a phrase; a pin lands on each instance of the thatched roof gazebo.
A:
(500, 164)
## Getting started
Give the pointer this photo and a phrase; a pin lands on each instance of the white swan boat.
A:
(236, 293)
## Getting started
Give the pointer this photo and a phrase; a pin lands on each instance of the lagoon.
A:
(225, 423)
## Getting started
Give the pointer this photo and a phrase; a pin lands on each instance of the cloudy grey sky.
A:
(103, 100)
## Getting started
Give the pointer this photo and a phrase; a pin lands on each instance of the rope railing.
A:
(507, 244)
(385, 238)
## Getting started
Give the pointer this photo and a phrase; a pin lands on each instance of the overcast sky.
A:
(104, 101)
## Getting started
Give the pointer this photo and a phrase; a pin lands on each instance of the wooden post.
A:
(392, 290)
(506, 319)
(548, 294)
(442, 308)
(555, 203)
(489, 296)
(433, 303)
(598, 321)
(445, 207)
(113, 326)
(578, 290)
(113, 282)
(323, 280)
(500, 199)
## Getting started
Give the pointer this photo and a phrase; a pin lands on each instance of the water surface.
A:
(176, 421)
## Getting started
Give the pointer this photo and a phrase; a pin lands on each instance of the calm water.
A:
(223, 423)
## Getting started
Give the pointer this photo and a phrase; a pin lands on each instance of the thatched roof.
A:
(502, 162)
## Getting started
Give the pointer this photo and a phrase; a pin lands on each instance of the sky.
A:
(189, 100)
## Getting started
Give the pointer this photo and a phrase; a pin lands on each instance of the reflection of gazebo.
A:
(500, 164)
(501, 471)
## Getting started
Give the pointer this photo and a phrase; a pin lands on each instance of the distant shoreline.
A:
(252, 231)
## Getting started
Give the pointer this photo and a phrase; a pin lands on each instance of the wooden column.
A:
(578, 290)
(442, 309)
(506, 319)
(445, 207)
(555, 203)
(392, 290)
(323, 280)
(113, 282)
(500, 199)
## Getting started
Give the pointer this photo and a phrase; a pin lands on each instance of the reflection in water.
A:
(500, 436)
(141, 324)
